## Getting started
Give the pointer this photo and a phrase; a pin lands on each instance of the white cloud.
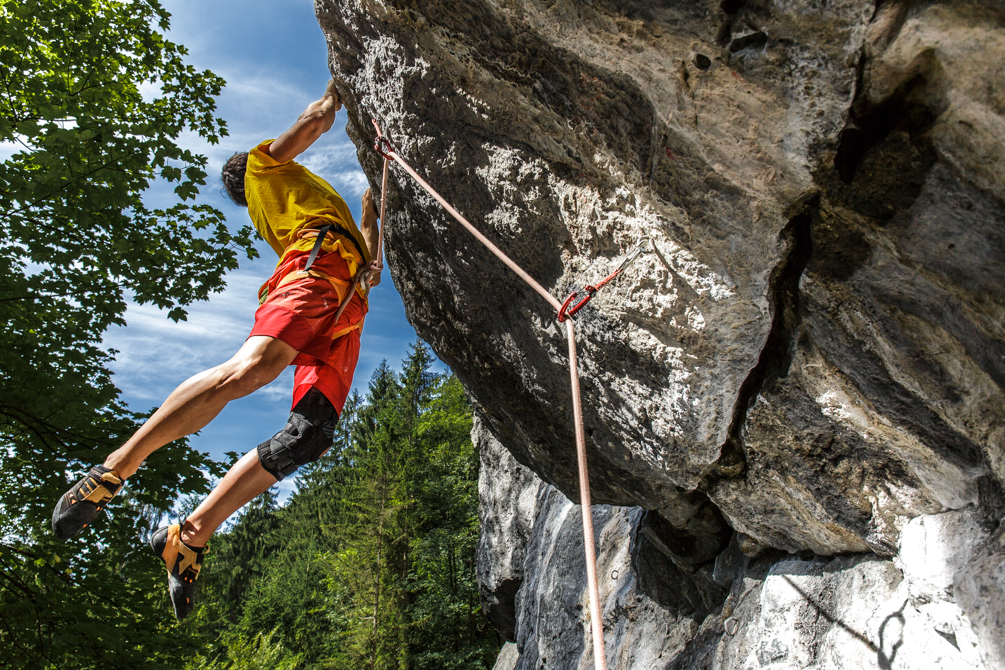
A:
(156, 354)
(150, 90)
(8, 149)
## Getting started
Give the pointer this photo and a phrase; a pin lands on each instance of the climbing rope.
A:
(564, 310)
(385, 149)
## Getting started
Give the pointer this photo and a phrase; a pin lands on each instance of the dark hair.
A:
(233, 177)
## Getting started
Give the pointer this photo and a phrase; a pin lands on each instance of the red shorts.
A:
(301, 314)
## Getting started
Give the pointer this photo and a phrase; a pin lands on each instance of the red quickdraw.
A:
(591, 289)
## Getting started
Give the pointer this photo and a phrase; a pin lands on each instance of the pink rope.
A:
(552, 300)
(596, 620)
(586, 504)
(383, 200)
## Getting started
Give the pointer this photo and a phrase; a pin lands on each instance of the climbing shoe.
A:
(80, 505)
(183, 564)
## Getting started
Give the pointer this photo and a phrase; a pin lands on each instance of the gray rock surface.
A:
(979, 588)
(896, 373)
(508, 494)
(776, 611)
(820, 361)
(508, 657)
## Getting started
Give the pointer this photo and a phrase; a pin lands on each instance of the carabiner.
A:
(634, 253)
(591, 289)
(567, 311)
(381, 144)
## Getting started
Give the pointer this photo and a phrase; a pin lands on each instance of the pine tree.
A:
(362, 572)
(450, 631)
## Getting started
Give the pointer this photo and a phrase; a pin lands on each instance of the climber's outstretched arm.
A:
(316, 120)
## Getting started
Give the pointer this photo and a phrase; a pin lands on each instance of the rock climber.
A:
(325, 260)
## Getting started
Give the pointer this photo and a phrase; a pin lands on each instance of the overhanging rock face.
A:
(824, 358)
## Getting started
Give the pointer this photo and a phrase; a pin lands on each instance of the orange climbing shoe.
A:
(80, 505)
(183, 564)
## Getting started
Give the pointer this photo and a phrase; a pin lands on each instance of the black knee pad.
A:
(305, 438)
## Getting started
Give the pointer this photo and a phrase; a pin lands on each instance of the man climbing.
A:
(311, 313)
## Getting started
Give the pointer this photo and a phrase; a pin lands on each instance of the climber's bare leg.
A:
(199, 399)
(245, 480)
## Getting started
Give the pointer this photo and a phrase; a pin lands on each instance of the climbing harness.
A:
(384, 147)
(365, 272)
(318, 242)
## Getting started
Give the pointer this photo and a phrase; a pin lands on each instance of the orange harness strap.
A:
(344, 289)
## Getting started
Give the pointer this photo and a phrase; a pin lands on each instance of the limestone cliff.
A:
(817, 369)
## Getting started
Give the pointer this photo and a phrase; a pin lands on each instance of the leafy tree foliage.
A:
(77, 237)
(371, 564)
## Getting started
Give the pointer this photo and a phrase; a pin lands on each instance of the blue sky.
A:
(274, 57)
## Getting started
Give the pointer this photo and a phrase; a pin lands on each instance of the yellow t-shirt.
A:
(285, 198)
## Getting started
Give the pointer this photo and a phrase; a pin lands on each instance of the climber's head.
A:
(233, 177)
